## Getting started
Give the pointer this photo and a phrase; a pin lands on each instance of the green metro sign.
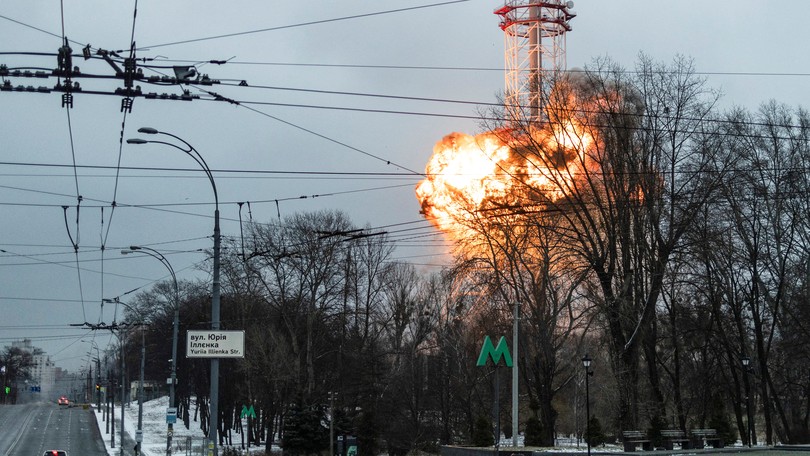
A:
(247, 412)
(496, 353)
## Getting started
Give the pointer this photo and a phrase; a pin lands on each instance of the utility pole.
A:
(113, 328)
(112, 411)
(332, 423)
(123, 395)
(98, 384)
(175, 328)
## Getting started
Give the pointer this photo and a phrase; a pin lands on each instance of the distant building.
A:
(150, 390)
(42, 383)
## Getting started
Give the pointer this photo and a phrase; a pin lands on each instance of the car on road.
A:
(62, 401)
(55, 453)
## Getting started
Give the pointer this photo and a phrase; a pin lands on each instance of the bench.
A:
(672, 436)
(633, 438)
(700, 437)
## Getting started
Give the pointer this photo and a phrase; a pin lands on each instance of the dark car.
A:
(55, 453)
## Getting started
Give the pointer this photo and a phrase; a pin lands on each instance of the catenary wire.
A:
(483, 69)
(302, 24)
(68, 106)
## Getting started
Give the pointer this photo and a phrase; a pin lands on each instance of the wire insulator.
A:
(67, 100)
(126, 105)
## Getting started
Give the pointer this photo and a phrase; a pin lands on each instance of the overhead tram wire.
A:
(66, 66)
(462, 68)
(261, 173)
(45, 338)
(370, 95)
(320, 175)
(71, 265)
(125, 111)
(370, 66)
(32, 256)
(303, 24)
(219, 98)
(46, 32)
(126, 108)
(335, 141)
(460, 116)
(161, 207)
(185, 204)
(723, 121)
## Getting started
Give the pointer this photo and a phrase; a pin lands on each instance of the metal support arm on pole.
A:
(175, 330)
(215, 288)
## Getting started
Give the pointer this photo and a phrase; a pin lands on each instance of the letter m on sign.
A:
(490, 351)
(248, 412)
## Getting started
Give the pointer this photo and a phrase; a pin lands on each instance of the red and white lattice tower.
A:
(534, 44)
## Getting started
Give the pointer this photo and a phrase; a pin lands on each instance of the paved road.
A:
(32, 429)
(795, 450)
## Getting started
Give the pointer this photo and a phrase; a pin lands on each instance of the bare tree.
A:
(625, 162)
(518, 263)
(768, 210)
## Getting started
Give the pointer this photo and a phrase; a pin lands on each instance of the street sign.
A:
(496, 353)
(138, 435)
(171, 415)
(215, 344)
(248, 412)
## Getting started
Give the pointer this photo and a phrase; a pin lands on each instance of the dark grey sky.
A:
(745, 49)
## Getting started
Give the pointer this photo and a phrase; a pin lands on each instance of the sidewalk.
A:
(185, 442)
(129, 442)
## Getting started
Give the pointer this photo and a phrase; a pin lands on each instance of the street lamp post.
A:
(111, 418)
(331, 423)
(214, 393)
(175, 329)
(98, 372)
(746, 361)
(515, 328)
(98, 383)
(97, 379)
(5, 387)
(123, 392)
(139, 435)
(586, 362)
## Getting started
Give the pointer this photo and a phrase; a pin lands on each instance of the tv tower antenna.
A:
(534, 44)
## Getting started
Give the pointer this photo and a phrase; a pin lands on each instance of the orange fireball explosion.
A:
(467, 174)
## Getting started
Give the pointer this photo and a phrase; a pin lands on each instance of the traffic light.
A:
(98, 387)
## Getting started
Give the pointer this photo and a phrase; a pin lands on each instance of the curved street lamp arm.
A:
(160, 257)
(215, 290)
(197, 157)
(191, 152)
